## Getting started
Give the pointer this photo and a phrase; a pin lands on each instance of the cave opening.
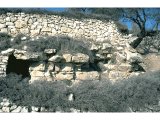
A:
(18, 66)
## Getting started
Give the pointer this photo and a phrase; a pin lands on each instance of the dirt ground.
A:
(152, 62)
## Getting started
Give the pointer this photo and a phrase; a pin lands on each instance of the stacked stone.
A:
(52, 25)
(65, 67)
(109, 46)
(3, 65)
(117, 61)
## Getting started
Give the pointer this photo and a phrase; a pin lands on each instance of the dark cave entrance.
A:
(20, 67)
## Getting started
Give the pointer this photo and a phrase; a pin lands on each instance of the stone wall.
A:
(52, 25)
(113, 53)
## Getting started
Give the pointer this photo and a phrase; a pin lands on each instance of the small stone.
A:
(13, 107)
(120, 48)
(25, 47)
(37, 74)
(8, 51)
(4, 30)
(67, 68)
(6, 104)
(94, 75)
(100, 57)
(17, 110)
(64, 76)
(67, 57)
(5, 109)
(80, 58)
(24, 110)
(35, 32)
(13, 31)
(74, 110)
(37, 67)
(35, 109)
(56, 58)
(2, 25)
(2, 103)
(94, 47)
(10, 23)
(42, 109)
(24, 30)
(71, 97)
(66, 30)
(50, 51)
(20, 24)
(5, 100)
(46, 29)
(106, 46)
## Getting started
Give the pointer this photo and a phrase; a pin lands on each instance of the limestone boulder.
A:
(50, 51)
(134, 57)
(35, 32)
(37, 74)
(10, 23)
(51, 67)
(106, 46)
(124, 67)
(46, 29)
(67, 67)
(99, 57)
(80, 58)
(64, 76)
(24, 55)
(104, 75)
(56, 58)
(120, 58)
(8, 51)
(132, 40)
(94, 48)
(66, 29)
(110, 66)
(2, 26)
(115, 75)
(67, 57)
(4, 30)
(24, 30)
(37, 67)
(93, 75)
(20, 24)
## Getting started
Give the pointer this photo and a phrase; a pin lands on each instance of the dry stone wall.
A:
(52, 25)
(113, 53)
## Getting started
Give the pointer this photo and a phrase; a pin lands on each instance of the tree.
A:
(83, 10)
(138, 16)
(156, 18)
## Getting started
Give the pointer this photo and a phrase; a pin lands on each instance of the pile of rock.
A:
(115, 62)
(52, 25)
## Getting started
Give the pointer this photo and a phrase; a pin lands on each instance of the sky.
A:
(56, 9)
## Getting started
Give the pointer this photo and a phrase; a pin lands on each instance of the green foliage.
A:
(134, 94)
(122, 28)
(17, 40)
(139, 92)
(4, 41)
(61, 44)
(96, 96)
(45, 94)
